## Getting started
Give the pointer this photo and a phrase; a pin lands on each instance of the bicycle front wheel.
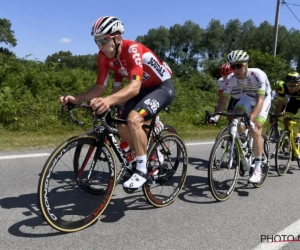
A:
(167, 175)
(66, 197)
(283, 153)
(223, 176)
(272, 134)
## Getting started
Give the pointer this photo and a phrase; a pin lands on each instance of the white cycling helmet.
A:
(237, 56)
(107, 25)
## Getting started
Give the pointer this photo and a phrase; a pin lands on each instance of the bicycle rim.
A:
(166, 179)
(272, 135)
(66, 198)
(223, 178)
(283, 153)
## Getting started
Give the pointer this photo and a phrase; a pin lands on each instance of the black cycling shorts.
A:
(150, 101)
(231, 104)
(293, 106)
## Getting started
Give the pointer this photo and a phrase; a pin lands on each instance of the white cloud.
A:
(65, 40)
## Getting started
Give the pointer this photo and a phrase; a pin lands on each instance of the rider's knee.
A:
(135, 120)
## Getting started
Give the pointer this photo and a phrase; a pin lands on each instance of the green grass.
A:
(10, 141)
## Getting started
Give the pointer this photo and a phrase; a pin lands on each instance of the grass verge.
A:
(12, 141)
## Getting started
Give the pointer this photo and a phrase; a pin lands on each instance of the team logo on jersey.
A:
(145, 76)
(136, 56)
(153, 105)
(111, 64)
(123, 72)
(159, 68)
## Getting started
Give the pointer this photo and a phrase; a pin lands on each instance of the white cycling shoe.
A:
(255, 177)
(136, 180)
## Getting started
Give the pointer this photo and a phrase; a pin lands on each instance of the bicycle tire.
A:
(169, 129)
(265, 164)
(222, 131)
(273, 135)
(220, 168)
(59, 205)
(157, 186)
(283, 150)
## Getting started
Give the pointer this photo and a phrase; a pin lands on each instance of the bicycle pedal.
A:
(129, 190)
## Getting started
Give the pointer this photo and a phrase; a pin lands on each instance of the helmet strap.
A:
(116, 48)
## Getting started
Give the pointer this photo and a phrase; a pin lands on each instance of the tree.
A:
(6, 33)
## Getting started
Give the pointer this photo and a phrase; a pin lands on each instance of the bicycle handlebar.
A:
(102, 117)
(232, 115)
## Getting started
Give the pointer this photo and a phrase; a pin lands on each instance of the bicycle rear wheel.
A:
(265, 165)
(283, 153)
(167, 177)
(222, 178)
(66, 198)
(169, 129)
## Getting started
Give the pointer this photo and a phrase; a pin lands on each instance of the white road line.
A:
(7, 157)
(199, 143)
(291, 230)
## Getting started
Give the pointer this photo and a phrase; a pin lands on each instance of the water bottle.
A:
(127, 152)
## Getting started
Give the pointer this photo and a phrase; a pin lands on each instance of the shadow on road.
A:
(35, 226)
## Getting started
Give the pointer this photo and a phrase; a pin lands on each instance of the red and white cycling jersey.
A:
(136, 62)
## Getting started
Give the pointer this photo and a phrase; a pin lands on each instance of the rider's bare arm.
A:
(126, 93)
(222, 104)
(95, 91)
(279, 106)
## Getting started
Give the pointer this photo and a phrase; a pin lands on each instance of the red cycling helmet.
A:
(225, 70)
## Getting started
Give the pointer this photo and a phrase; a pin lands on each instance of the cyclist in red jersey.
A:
(149, 91)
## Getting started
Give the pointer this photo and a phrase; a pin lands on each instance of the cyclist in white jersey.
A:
(236, 93)
(255, 100)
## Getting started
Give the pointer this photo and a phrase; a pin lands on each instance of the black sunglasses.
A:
(292, 86)
(102, 41)
(237, 66)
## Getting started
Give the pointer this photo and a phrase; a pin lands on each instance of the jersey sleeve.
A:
(221, 85)
(262, 82)
(134, 61)
(103, 70)
(228, 86)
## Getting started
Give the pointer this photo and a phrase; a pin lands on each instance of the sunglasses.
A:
(292, 86)
(103, 41)
(237, 66)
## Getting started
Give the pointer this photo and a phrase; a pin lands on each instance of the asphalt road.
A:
(194, 221)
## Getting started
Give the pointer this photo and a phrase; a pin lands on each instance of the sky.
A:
(44, 27)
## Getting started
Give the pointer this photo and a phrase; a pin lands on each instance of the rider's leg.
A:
(258, 142)
(152, 102)
(291, 110)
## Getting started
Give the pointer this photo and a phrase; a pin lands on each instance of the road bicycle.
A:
(231, 157)
(79, 177)
(284, 148)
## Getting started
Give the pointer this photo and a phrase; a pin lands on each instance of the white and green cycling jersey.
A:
(256, 82)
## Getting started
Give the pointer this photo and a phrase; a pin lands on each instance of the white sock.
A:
(257, 164)
(141, 163)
